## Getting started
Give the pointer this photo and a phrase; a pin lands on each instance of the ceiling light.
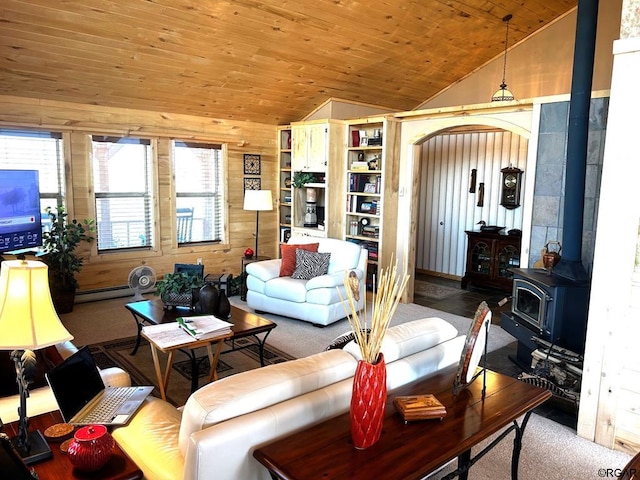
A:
(503, 94)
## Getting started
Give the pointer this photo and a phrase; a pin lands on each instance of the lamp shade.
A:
(257, 200)
(28, 319)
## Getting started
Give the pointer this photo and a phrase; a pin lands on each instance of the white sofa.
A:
(41, 400)
(215, 433)
(316, 300)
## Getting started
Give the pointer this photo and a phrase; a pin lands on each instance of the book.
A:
(419, 407)
(204, 326)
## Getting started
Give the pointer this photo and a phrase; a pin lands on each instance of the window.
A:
(199, 184)
(122, 180)
(36, 150)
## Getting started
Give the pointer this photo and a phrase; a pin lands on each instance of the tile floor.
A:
(465, 304)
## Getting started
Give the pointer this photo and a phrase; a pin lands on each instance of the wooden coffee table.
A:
(119, 466)
(245, 324)
(413, 450)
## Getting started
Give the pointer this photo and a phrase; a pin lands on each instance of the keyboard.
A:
(106, 409)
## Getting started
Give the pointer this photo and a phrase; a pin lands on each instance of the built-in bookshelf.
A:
(371, 195)
(284, 182)
(317, 150)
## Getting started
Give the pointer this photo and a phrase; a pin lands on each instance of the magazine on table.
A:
(204, 326)
(166, 335)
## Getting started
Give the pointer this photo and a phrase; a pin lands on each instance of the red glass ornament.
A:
(91, 448)
(368, 399)
(248, 253)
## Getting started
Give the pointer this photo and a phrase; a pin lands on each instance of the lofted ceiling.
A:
(270, 61)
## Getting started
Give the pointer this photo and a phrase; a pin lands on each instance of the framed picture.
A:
(366, 207)
(364, 141)
(252, 184)
(369, 188)
(251, 164)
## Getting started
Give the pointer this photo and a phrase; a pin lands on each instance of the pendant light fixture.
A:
(503, 94)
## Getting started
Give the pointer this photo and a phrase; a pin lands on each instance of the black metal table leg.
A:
(465, 462)
(261, 344)
(517, 445)
(139, 325)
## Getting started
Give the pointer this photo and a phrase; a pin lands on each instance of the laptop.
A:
(83, 398)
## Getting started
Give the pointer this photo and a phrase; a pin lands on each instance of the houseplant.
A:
(300, 179)
(179, 289)
(59, 253)
(369, 392)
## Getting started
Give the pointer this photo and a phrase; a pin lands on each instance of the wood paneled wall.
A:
(78, 122)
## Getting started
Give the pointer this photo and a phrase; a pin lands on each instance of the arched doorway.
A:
(459, 186)
(417, 130)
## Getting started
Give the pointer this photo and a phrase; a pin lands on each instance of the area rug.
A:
(140, 367)
(433, 290)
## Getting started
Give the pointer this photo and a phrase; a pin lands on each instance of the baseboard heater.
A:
(107, 293)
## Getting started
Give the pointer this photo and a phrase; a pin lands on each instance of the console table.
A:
(413, 450)
(119, 466)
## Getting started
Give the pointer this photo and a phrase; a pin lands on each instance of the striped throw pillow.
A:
(310, 264)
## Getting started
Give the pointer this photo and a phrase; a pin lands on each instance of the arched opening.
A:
(460, 185)
(436, 180)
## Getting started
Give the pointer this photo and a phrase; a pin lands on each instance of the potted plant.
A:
(59, 245)
(300, 179)
(179, 289)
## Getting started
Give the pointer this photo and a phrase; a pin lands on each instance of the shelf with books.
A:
(370, 211)
(284, 181)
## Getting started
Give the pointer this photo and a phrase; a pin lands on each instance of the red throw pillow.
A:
(288, 255)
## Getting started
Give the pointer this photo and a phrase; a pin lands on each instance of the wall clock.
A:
(251, 164)
(474, 348)
(511, 186)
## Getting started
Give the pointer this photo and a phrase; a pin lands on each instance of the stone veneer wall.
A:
(548, 205)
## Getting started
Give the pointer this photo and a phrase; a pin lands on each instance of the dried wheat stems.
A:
(385, 301)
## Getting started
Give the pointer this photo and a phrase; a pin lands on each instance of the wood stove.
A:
(549, 307)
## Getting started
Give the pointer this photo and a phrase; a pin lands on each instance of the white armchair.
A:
(315, 300)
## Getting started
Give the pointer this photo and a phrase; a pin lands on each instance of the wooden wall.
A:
(78, 122)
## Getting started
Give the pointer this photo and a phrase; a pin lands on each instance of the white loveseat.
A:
(41, 400)
(316, 300)
(222, 423)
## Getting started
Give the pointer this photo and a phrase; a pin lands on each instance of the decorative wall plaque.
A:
(252, 183)
(251, 164)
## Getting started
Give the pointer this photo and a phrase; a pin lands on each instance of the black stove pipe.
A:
(570, 265)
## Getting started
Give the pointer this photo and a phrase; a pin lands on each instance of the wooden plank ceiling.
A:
(270, 61)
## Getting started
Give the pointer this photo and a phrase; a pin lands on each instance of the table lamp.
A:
(258, 200)
(28, 322)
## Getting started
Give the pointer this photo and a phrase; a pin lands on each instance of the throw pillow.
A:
(310, 264)
(288, 255)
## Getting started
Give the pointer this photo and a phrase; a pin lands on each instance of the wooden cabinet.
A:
(311, 146)
(284, 182)
(372, 188)
(317, 147)
(489, 258)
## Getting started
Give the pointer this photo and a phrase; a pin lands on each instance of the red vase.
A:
(91, 448)
(368, 400)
